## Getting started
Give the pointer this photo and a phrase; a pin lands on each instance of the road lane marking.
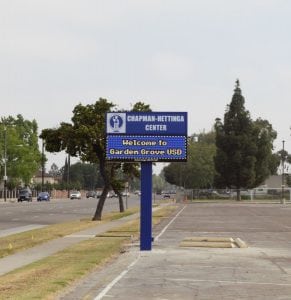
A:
(166, 227)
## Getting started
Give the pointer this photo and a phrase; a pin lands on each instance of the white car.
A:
(125, 194)
(75, 195)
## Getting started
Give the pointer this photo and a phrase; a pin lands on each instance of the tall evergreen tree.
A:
(65, 171)
(235, 158)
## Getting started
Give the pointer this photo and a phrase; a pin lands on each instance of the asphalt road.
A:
(25, 214)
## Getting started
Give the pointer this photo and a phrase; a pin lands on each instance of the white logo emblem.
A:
(116, 123)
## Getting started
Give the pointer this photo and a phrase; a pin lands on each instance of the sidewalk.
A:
(20, 259)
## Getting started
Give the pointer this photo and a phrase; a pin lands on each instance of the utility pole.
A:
(283, 167)
(5, 165)
(68, 175)
(42, 166)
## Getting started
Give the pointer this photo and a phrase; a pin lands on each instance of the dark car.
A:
(91, 194)
(43, 196)
(166, 195)
(24, 195)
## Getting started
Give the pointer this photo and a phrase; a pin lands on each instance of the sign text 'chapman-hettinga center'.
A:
(152, 123)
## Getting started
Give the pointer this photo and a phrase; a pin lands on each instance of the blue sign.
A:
(146, 148)
(147, 123)
(146, 137)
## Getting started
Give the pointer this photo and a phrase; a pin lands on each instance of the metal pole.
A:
(126, 195)
(42, 167)
(283, 179)
(68, 175)
(146, 207)
(5, 165)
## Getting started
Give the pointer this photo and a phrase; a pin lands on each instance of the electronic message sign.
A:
(146, 148)
(146, 136)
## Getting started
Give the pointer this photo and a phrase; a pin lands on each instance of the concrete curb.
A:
(207, 244)
(241, 243)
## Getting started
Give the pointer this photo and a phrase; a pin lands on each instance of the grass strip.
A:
(46, 278)
(17, 242)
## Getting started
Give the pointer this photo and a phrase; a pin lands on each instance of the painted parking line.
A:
(115, 280)
(104, 292)
(228, 282)
(167, 226)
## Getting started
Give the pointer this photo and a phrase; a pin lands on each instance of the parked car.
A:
(112, 195)
(99, 193)
(24, 195)
(166, 195)
(137, 192)
(43, 196)
(125, 194)
(91, 194)
(75, 195)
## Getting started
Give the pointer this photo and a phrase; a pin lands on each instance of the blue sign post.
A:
(146, 207)
(146, 137)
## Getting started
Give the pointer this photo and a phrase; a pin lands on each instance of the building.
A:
(47, 178)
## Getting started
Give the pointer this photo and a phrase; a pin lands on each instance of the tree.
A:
(265, 161)
(244, 148)
(54, 170)
(199, 166)
(280, 157)
(85, 176)
(125, 172)
(85, 137)
(158, 183)
(23, 155)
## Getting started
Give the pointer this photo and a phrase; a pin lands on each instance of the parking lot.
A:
(169, 271)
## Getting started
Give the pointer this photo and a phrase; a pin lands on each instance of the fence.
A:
(276, 194)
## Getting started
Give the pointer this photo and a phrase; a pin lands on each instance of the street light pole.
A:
(5, 165)
(283, 166)
(42, 167)
(68, 174)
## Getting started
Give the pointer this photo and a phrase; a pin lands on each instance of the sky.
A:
(176, 55)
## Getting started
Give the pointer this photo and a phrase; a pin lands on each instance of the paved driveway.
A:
(261, 271)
